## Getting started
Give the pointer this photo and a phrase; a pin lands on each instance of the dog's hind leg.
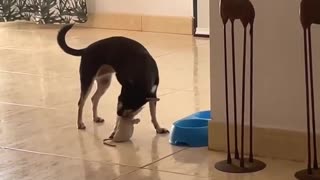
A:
(83, 96)
(103, 83)
(87, 76)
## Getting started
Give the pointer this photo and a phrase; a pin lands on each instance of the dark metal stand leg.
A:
(242, 165)
(226, 93)
(307, 100)
(234, 92)
(309, 173)
(251, 94)
(243, 95)
(315, 160)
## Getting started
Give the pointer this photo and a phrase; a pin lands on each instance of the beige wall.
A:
(279, 65)
(148, 7)
(165, 16)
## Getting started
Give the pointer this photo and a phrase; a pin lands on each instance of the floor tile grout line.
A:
(39, 153)
(25, 105)
(203, 43)
(159, 170)
(131, 172)
(171, 172)
(166, 54)
(176, 51)
(180, 89)
(9, 47)
(165, 94)
(22, 73)
(87, 160)
(137, 170)
(67, 157)
(150, 169)
(174, 92)
(41, 76)
(142, 167)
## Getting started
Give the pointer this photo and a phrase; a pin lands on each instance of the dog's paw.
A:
(81, 126)
(98, 120)
(163, 131)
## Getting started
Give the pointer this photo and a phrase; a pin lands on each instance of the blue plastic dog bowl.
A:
(200, 115)
(191, 132)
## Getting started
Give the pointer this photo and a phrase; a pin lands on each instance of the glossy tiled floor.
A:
(38, 100)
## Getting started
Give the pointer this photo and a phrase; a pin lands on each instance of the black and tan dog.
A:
(135, 69)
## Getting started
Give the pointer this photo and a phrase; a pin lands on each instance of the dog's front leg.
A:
(153, 107)
(115, 128)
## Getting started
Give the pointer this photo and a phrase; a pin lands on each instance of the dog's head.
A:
(130, 107)
(132, 100)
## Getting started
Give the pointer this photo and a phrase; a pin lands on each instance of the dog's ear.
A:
(152, 99)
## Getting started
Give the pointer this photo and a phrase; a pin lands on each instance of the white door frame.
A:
(201, 18)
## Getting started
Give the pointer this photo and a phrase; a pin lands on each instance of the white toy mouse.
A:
(122, 132)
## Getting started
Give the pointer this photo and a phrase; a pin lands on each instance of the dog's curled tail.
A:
(62, 41)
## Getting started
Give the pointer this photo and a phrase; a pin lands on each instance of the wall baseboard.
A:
(202, 31)
(268, 142)
(114, 21)
(136, 22)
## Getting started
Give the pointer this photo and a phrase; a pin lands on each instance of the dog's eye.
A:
(120, 105)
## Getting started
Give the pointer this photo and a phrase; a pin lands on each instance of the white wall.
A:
(279, 95)
(149, 7)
